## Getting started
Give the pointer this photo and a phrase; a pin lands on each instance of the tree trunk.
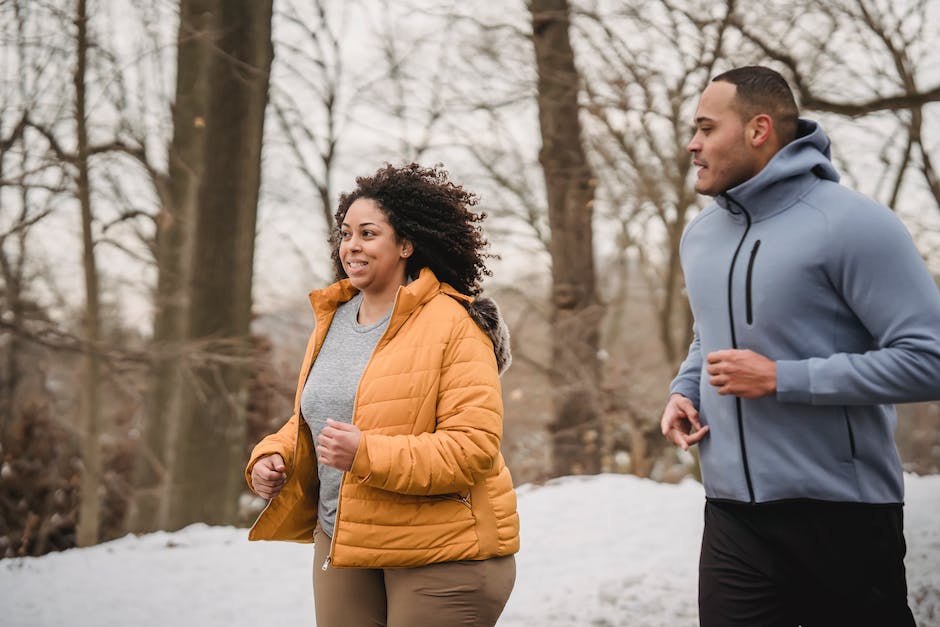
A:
(569, 183)
(175, 231)
(206, 477)
(90, 404)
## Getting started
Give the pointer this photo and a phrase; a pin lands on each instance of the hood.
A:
(786, 175)
(486, 314)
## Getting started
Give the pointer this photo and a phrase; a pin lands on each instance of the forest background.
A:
(169, 169)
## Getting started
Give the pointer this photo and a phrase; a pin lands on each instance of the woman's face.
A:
(373, 257)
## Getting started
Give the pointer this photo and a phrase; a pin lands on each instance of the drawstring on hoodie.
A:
(734, 340)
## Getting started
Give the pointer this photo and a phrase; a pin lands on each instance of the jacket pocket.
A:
(848, 428)
(463, 499)
(748, 297)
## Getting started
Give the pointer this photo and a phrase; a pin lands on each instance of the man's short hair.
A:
(762, 90)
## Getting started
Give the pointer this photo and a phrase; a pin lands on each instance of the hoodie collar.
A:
(795, 167)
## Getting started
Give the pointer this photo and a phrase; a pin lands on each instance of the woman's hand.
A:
(337, 444)
(268, 476)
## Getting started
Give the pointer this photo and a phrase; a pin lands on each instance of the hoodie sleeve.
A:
(689, 377)
(880, 275)
(464, 448)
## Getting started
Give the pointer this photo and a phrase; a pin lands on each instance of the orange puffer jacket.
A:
(428, 483)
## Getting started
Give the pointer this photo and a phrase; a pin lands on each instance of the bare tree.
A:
(89, 514)
(569, 183)
(177, 190)
(210, 439)
(639, 113)
(13, 252)
(28, 184)
(78, 163)
(419, 72)
(194, 424)
(309, 106)
(55, 170)
(881, 56)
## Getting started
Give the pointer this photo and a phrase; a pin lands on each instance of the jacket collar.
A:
(483, 310)
(408, 299)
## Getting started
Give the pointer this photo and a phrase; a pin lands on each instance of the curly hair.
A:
(426, 208)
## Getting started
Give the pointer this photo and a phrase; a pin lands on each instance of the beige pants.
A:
(449, 594)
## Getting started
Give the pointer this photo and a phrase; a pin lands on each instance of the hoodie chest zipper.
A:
(734, 339)
(748, 286)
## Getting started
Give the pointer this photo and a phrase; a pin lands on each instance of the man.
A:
(813, 314)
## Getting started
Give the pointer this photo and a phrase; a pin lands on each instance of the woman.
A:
(409, 504)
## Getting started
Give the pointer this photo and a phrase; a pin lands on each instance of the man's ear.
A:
(760, 129)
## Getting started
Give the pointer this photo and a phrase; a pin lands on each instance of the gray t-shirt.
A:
(330, 390)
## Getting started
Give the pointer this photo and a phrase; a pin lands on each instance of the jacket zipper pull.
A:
(326, 564)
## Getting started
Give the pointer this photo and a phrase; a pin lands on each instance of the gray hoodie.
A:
(829, 284)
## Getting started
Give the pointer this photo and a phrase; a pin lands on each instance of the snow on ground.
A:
(602, 551)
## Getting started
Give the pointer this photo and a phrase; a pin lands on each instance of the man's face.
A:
(720, 151)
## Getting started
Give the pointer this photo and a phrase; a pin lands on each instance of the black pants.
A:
(803, 563)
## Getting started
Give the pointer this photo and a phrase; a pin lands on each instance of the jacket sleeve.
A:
(281, 442)
(881, 277)
(285, 439)
(464, 447)
(688, 379)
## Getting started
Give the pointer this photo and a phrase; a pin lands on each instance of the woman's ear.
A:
(406, 248)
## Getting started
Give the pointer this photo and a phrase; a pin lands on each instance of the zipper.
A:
(734, 338)
(339, 500)
(748, 283)
(329, 555)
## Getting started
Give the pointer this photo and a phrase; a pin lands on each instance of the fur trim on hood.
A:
(486, 314)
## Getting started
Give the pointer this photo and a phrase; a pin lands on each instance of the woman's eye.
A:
(344, 234)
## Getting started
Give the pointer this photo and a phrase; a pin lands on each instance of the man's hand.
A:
(337, 444)
(268, 476)
(680, 422)
(742, 373)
